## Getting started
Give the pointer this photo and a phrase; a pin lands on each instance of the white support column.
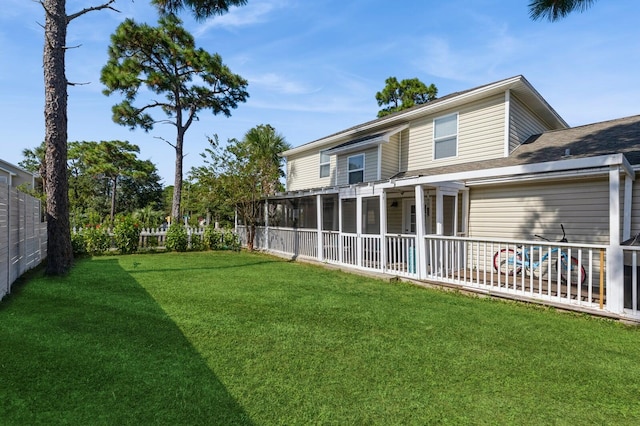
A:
(420, 260)
(319, 211)
(615, 257)
(439, 211)
(266, 225)
(628, 195)
(383, 230)
(359, 231)
(340, 244)
(465, 212)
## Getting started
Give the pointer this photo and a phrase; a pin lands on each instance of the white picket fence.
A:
(155, 238)
(23, 235)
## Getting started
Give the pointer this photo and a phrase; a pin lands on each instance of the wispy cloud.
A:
(253, 13)
(281, 84)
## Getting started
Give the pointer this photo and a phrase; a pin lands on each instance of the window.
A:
(445, 136)
(325, 164)
(356, 168)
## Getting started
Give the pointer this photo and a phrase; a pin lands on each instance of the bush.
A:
(177, 238)
(221, 239)
(197, 243)
(127, 235)
(78, 244)
(97, 239)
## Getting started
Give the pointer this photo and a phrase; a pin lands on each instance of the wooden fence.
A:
(23, 235)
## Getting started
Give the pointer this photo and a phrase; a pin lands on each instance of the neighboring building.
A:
(434, 191)
(15, 176)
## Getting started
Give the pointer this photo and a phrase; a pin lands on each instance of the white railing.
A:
(561, 272)
(297, 242)
(557, 273)
(401, 255)
(631, 281)
(331, 246)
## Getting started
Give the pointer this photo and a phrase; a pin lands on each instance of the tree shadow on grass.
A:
(96, 348)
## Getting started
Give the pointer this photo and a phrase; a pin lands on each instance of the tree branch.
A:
(106, 5)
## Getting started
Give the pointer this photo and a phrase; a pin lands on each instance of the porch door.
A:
(409, 218)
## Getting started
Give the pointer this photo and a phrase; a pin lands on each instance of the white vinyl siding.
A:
(302, 171)
(389, 161)
(519, 211)
(480, 136)
(522, 124)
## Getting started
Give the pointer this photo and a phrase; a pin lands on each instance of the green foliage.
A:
(165, 61)
(177, 238)
(96, 238)
(126, 234)
(400, 95)
(78, 244)
(196, 242)
(221, 239)
(556, 9)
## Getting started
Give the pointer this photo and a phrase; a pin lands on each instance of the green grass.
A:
(236, 338)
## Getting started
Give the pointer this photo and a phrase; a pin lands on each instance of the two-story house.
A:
(446, 191)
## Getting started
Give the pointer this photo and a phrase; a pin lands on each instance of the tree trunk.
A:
(177, 183)
(251, 236)
(114, 187)
(59, 251)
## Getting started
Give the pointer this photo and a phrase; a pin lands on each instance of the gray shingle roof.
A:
(603, 138)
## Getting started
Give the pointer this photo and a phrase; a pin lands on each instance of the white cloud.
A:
(253, 13)
(280, 84)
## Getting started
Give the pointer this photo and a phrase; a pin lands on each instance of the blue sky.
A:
(314, 66)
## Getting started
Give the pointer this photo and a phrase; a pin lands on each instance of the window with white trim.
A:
(445, 136)
(355, 167)
(325, 164)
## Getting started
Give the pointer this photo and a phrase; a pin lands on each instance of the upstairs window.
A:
(445, 137)
(356, 168)
(325, 164)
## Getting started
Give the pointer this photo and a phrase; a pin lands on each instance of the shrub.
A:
(230, 239)
(127, 235)
(213, 238)
(197, 243)
(97, 239)
(78, 244)
(177, 238)
(221, 239)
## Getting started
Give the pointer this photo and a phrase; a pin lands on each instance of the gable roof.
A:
(604, 138)
(518, 85)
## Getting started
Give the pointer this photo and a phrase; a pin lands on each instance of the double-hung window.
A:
(355, 167)
(445, 136)
(325, 164)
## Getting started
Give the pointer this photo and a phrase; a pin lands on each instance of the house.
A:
(446, 191)
(15, 176)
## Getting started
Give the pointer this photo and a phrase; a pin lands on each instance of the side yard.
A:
(240, 338)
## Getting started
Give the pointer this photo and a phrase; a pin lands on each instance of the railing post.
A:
(420, 261)
(319, 211)
(359, 251)
(340, 242)
(383, 231)
(615, 254)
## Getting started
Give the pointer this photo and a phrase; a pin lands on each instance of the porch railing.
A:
(562, 272)
(559, 273)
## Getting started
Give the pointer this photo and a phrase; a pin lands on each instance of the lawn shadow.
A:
(96, 348)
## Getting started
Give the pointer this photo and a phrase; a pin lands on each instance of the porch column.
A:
(340, 244)
(319, 224)
(359, 229)
(465, 212)
(439, 211)
(615, 254)
(420, 260)
(266, 224)
(383, 231)
(628, 195)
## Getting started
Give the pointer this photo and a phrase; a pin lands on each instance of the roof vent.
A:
(567, 152)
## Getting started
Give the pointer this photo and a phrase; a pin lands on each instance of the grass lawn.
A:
(215, 338)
